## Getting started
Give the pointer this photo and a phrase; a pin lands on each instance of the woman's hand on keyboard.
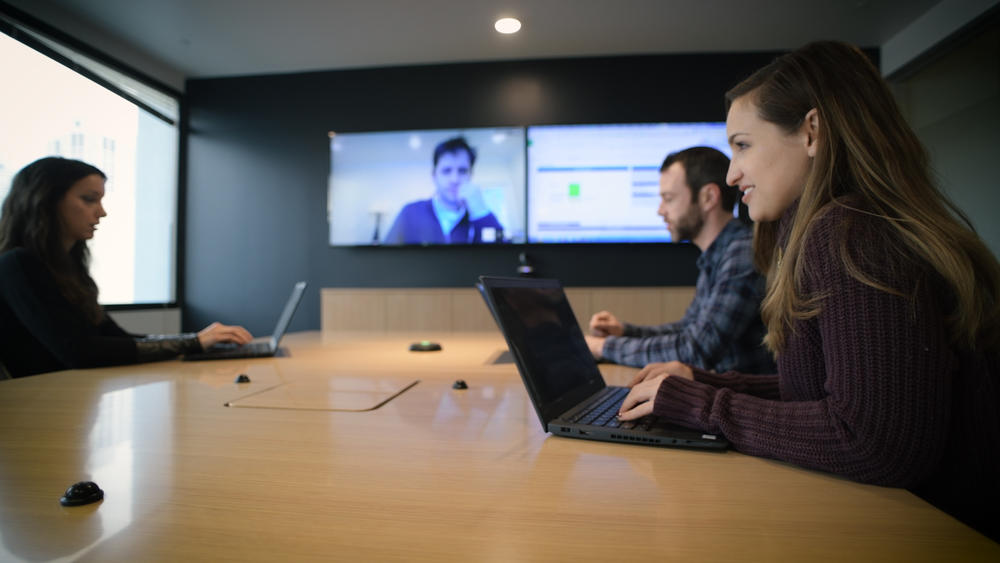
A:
(218, 332)
(657, 369)
(639, 401)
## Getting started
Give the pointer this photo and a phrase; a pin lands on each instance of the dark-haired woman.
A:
(882, 304)
(50, 318)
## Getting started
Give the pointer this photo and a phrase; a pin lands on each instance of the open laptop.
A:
(560, 374)
(257, 348)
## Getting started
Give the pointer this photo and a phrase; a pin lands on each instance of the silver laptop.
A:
(560, 374)
(256, 349)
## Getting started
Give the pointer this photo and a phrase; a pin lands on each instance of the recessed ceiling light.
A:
(507, 25)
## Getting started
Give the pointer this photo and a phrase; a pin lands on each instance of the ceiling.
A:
(207, 38)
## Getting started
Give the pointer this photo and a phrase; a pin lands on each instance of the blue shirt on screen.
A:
(418, 224)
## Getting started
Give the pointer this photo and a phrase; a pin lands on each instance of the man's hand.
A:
(596, 345)
(605, 324)
(472, 195)
(656, 369)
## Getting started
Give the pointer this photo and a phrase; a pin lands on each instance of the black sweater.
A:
(40, 331)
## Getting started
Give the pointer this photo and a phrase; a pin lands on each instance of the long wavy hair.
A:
(870, 160)
(30, 220)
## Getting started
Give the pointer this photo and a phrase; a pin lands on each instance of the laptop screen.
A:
(286, 315)
(544, 336)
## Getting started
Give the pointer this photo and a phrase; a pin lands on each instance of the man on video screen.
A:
(456, 213)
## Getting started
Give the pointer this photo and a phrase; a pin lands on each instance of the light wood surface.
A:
(461, 309)
(434, 474)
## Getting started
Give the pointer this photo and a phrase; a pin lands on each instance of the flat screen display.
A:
(600, 183)
(429, 187)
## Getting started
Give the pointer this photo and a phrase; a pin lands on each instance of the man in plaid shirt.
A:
(721, 329)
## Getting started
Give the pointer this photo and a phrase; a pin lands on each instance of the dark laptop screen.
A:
(543, 333)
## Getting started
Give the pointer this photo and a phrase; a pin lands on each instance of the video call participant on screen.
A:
(721, 329)
(50, 318)
(456, 213)
(882, 304)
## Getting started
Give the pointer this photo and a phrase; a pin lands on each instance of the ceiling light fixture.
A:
(507, 25)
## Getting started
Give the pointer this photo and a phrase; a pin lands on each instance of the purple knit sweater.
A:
(871, 388)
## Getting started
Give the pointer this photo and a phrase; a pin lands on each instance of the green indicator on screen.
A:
(574, 190)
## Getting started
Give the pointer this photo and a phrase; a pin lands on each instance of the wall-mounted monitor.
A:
(430, 187)
(600, 183)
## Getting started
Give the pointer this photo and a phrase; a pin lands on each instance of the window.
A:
(123, 126)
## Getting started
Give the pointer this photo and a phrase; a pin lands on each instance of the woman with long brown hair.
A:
(50, 318)
(882, 303)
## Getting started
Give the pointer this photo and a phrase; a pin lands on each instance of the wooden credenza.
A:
(462, 309)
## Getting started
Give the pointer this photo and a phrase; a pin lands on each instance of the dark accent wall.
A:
(257, 159)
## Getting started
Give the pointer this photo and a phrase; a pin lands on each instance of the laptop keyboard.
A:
(248, 350)
(604, 410)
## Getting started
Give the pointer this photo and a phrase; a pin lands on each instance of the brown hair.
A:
(30, 220)
(704, 165)
(869, 160)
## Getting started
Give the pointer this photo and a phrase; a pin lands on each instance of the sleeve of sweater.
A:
(764, 386)
(108, 327)
(883, 366)
(37, 304)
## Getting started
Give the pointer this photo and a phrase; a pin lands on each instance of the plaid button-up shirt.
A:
(721, 329)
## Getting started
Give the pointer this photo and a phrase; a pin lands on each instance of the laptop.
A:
(255, 349)
(560, 374)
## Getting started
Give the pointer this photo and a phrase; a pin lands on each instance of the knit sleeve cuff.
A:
(684, 402)
(702, 374)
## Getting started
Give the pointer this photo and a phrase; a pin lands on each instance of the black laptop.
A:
(256, 349)
(560, 373)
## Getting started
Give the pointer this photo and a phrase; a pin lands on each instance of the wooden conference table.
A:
(296, 468)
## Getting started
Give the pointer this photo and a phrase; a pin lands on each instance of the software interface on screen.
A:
(385, 188)
(600, 183)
